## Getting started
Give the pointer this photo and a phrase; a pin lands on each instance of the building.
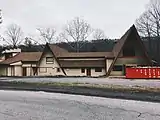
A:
(129, 51)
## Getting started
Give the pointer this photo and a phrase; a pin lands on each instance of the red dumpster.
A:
(143, 72)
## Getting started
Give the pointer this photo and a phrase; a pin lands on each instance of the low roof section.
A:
(82, 63)
(62, 53)
(24, 57)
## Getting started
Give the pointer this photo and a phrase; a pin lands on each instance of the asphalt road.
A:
(153, 83)
(21, 105)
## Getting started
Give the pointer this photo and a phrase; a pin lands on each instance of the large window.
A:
(49, 60)
(98, 69)
(129, 51)
(117, 68)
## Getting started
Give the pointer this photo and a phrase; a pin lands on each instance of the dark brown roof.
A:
(62, 53)
(82, 63)
(24, 57)
(57, 50)
(87, 55)
(117, 47)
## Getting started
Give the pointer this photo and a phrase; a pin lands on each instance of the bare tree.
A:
(47, 34)
(154, 11)
(0, 16)
(144, 25)
(77, 30)
(149, 23)
(99, 34)
(28, 42)
(14, 35)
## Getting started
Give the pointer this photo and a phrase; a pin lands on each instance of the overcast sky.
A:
(112, 16)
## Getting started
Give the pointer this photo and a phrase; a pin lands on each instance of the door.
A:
(34, 70)
(24, 71)
(88, 72)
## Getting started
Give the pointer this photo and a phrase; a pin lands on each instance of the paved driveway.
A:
(20, 105)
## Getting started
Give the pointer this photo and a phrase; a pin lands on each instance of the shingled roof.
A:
(82, 63)
(62, 53)
(87, 55)
(24, 57)
(58, 51)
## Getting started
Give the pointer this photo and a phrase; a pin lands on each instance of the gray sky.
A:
(112, 16)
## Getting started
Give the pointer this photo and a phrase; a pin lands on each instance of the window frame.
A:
(49, 62)
(118, 69)
(83, 70)
(98, 69)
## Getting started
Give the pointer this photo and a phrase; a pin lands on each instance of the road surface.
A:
(22, 105)
(152, 83)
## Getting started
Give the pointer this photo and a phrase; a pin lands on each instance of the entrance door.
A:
(24, 71)
(88, 72)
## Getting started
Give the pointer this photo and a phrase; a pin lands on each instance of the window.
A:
(49, 60)
(98, 69)
(117, 68)
(58, 70)
(42, 70)
(129, 51)
(82, 70)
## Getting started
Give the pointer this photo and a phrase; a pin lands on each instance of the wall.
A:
(3, 71)
(96, 74)
(108, 63)
(11, 71)
(131, 60)
(77, 72)
(116, 73)
(18, 71)
(74, 72)
(51, 69)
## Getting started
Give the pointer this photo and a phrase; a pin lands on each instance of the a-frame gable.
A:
(120, 44)
(47, 48)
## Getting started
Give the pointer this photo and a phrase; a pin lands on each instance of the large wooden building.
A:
(128, 51)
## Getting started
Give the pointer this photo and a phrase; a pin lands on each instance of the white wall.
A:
(74, 72)
(96, 74)
(108, 63)
(9, 71)
(18, 71)
(51, 69)
(77, 72)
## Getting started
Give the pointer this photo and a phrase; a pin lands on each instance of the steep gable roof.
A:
(120, 43)
(55, 50)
